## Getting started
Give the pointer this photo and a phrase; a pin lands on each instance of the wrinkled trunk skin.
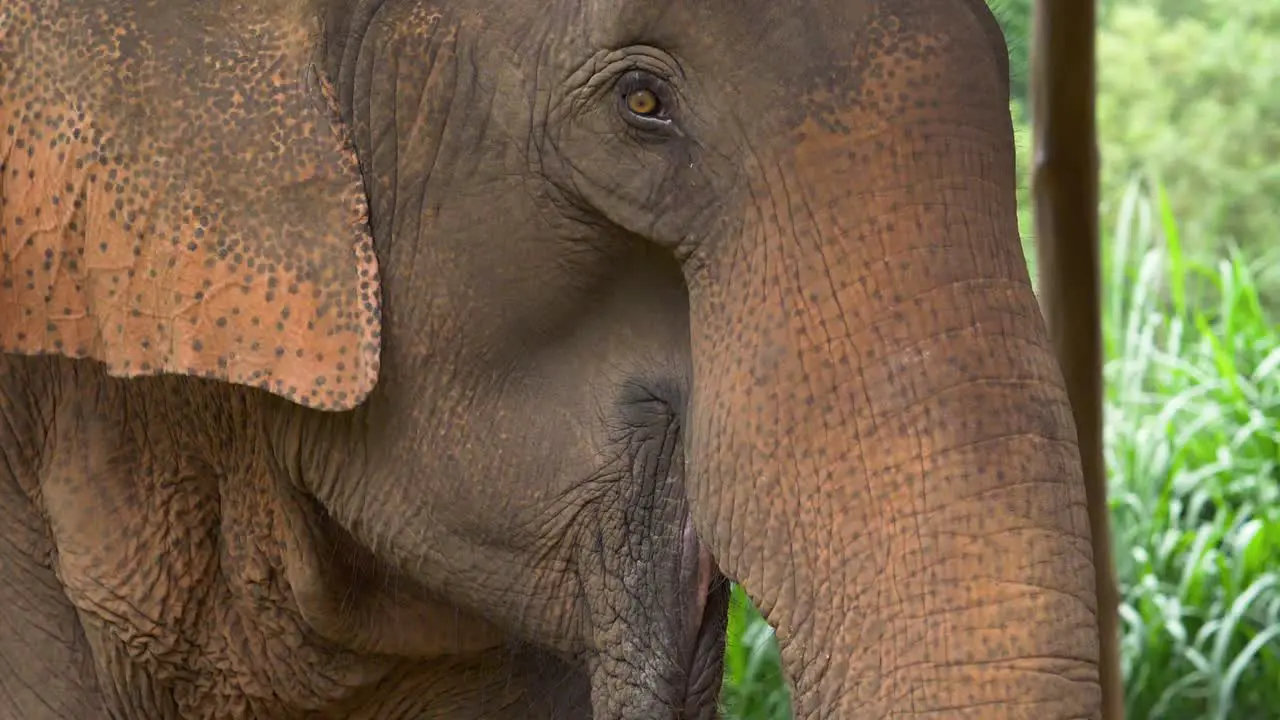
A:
(881, 447)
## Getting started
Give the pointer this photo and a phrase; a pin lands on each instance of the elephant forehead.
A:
(179, 197)
(887, 70)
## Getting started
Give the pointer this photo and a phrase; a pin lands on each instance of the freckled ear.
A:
(177, 196)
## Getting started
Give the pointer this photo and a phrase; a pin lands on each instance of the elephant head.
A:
(562, 310)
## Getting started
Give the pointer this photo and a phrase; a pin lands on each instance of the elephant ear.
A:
(177, 196)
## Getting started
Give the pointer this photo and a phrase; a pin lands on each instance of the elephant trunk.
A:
(881, 448)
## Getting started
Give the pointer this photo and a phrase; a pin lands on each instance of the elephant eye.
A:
(644, 100)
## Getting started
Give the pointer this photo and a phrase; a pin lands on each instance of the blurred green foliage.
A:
(1188, 97)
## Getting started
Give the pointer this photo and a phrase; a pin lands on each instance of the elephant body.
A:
(444, 359)
(183, 584)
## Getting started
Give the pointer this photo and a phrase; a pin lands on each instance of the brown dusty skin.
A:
(132, 233)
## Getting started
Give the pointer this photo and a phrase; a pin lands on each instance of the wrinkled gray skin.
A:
(787, 326)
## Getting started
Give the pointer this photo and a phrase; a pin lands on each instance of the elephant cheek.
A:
(881, 448)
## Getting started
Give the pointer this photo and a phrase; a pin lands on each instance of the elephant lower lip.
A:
(707, 659)
(707, 611)
(698, 570)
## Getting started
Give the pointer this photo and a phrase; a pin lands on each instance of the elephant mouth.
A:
(706, 662)
(705, 623)
(667, 658)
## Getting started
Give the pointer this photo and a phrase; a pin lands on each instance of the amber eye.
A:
(643, 102)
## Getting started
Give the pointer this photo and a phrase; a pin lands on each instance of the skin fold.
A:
(442, 358)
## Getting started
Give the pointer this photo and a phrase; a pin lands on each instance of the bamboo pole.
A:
(1065, 187)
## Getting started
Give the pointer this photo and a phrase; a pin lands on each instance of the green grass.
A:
(1193, 454)
(754, 688)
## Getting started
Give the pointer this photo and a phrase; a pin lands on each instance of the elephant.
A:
(399, 359)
